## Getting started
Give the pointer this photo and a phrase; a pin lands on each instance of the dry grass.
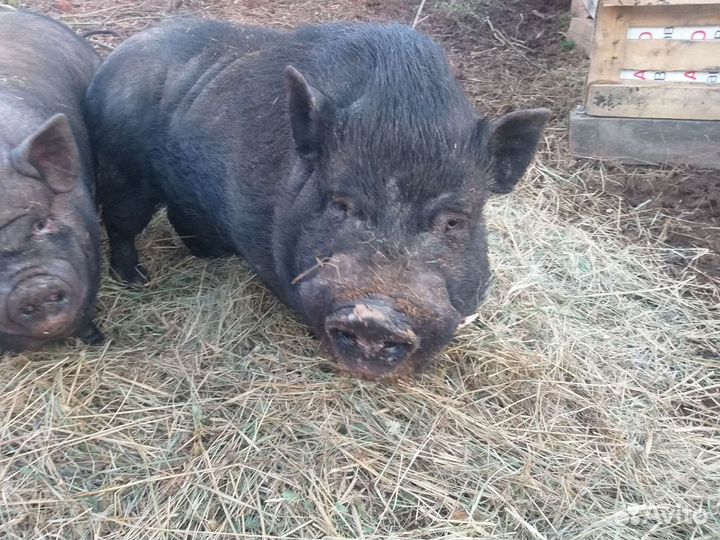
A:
(583, 403)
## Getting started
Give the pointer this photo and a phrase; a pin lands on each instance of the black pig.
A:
(342, 161)
(49, 231)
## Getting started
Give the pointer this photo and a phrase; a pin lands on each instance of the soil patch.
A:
(686, 204)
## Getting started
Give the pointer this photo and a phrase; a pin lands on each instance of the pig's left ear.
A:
(311, 114)
(511, 143)
(50, 154)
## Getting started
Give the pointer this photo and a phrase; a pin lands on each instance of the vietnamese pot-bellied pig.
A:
(49, 231)
(342, 161)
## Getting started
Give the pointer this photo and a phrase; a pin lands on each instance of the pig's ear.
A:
(50, 154)
(512, 141)
(311, 114)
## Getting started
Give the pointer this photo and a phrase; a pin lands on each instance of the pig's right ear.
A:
(50, 155)
(311, 114)
(513, 139)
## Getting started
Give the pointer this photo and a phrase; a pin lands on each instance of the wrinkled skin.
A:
(49, 233)
(341, 161)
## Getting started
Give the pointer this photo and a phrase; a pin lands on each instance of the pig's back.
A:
(44, 63)
(155, 76)
(45, 69)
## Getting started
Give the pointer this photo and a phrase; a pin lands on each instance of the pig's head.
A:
(383, 240)
(44, 273)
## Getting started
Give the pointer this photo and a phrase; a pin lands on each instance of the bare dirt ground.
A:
(583, 403)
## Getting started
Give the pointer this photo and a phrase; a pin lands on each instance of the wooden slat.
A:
(630, 3)
(646, 140)
(610, 31)
(578, 9)
(680, 101)
(665, 15)
(671, 55)
(581, 32)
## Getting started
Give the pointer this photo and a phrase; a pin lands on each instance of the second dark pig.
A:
(49, 231)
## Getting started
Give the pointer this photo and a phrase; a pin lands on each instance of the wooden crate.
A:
(649, 61)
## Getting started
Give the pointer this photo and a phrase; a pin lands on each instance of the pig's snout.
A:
(43, 305)
(371, 337)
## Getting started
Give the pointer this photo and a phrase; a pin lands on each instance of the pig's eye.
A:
(40, 226)
(342, 207)
(450, 223)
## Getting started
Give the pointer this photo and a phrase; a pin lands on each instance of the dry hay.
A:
(582, 403)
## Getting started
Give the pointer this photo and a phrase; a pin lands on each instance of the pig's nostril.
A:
(393, 347)
(55, 303)
(347, 337)
(28, 309)
(343, 339)
(55, 297)
(394, 351)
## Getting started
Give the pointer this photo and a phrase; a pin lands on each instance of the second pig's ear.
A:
(50, 154)
(311, 114)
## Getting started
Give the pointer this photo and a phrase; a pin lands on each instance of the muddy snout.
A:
(44, 305)
(371, 336)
